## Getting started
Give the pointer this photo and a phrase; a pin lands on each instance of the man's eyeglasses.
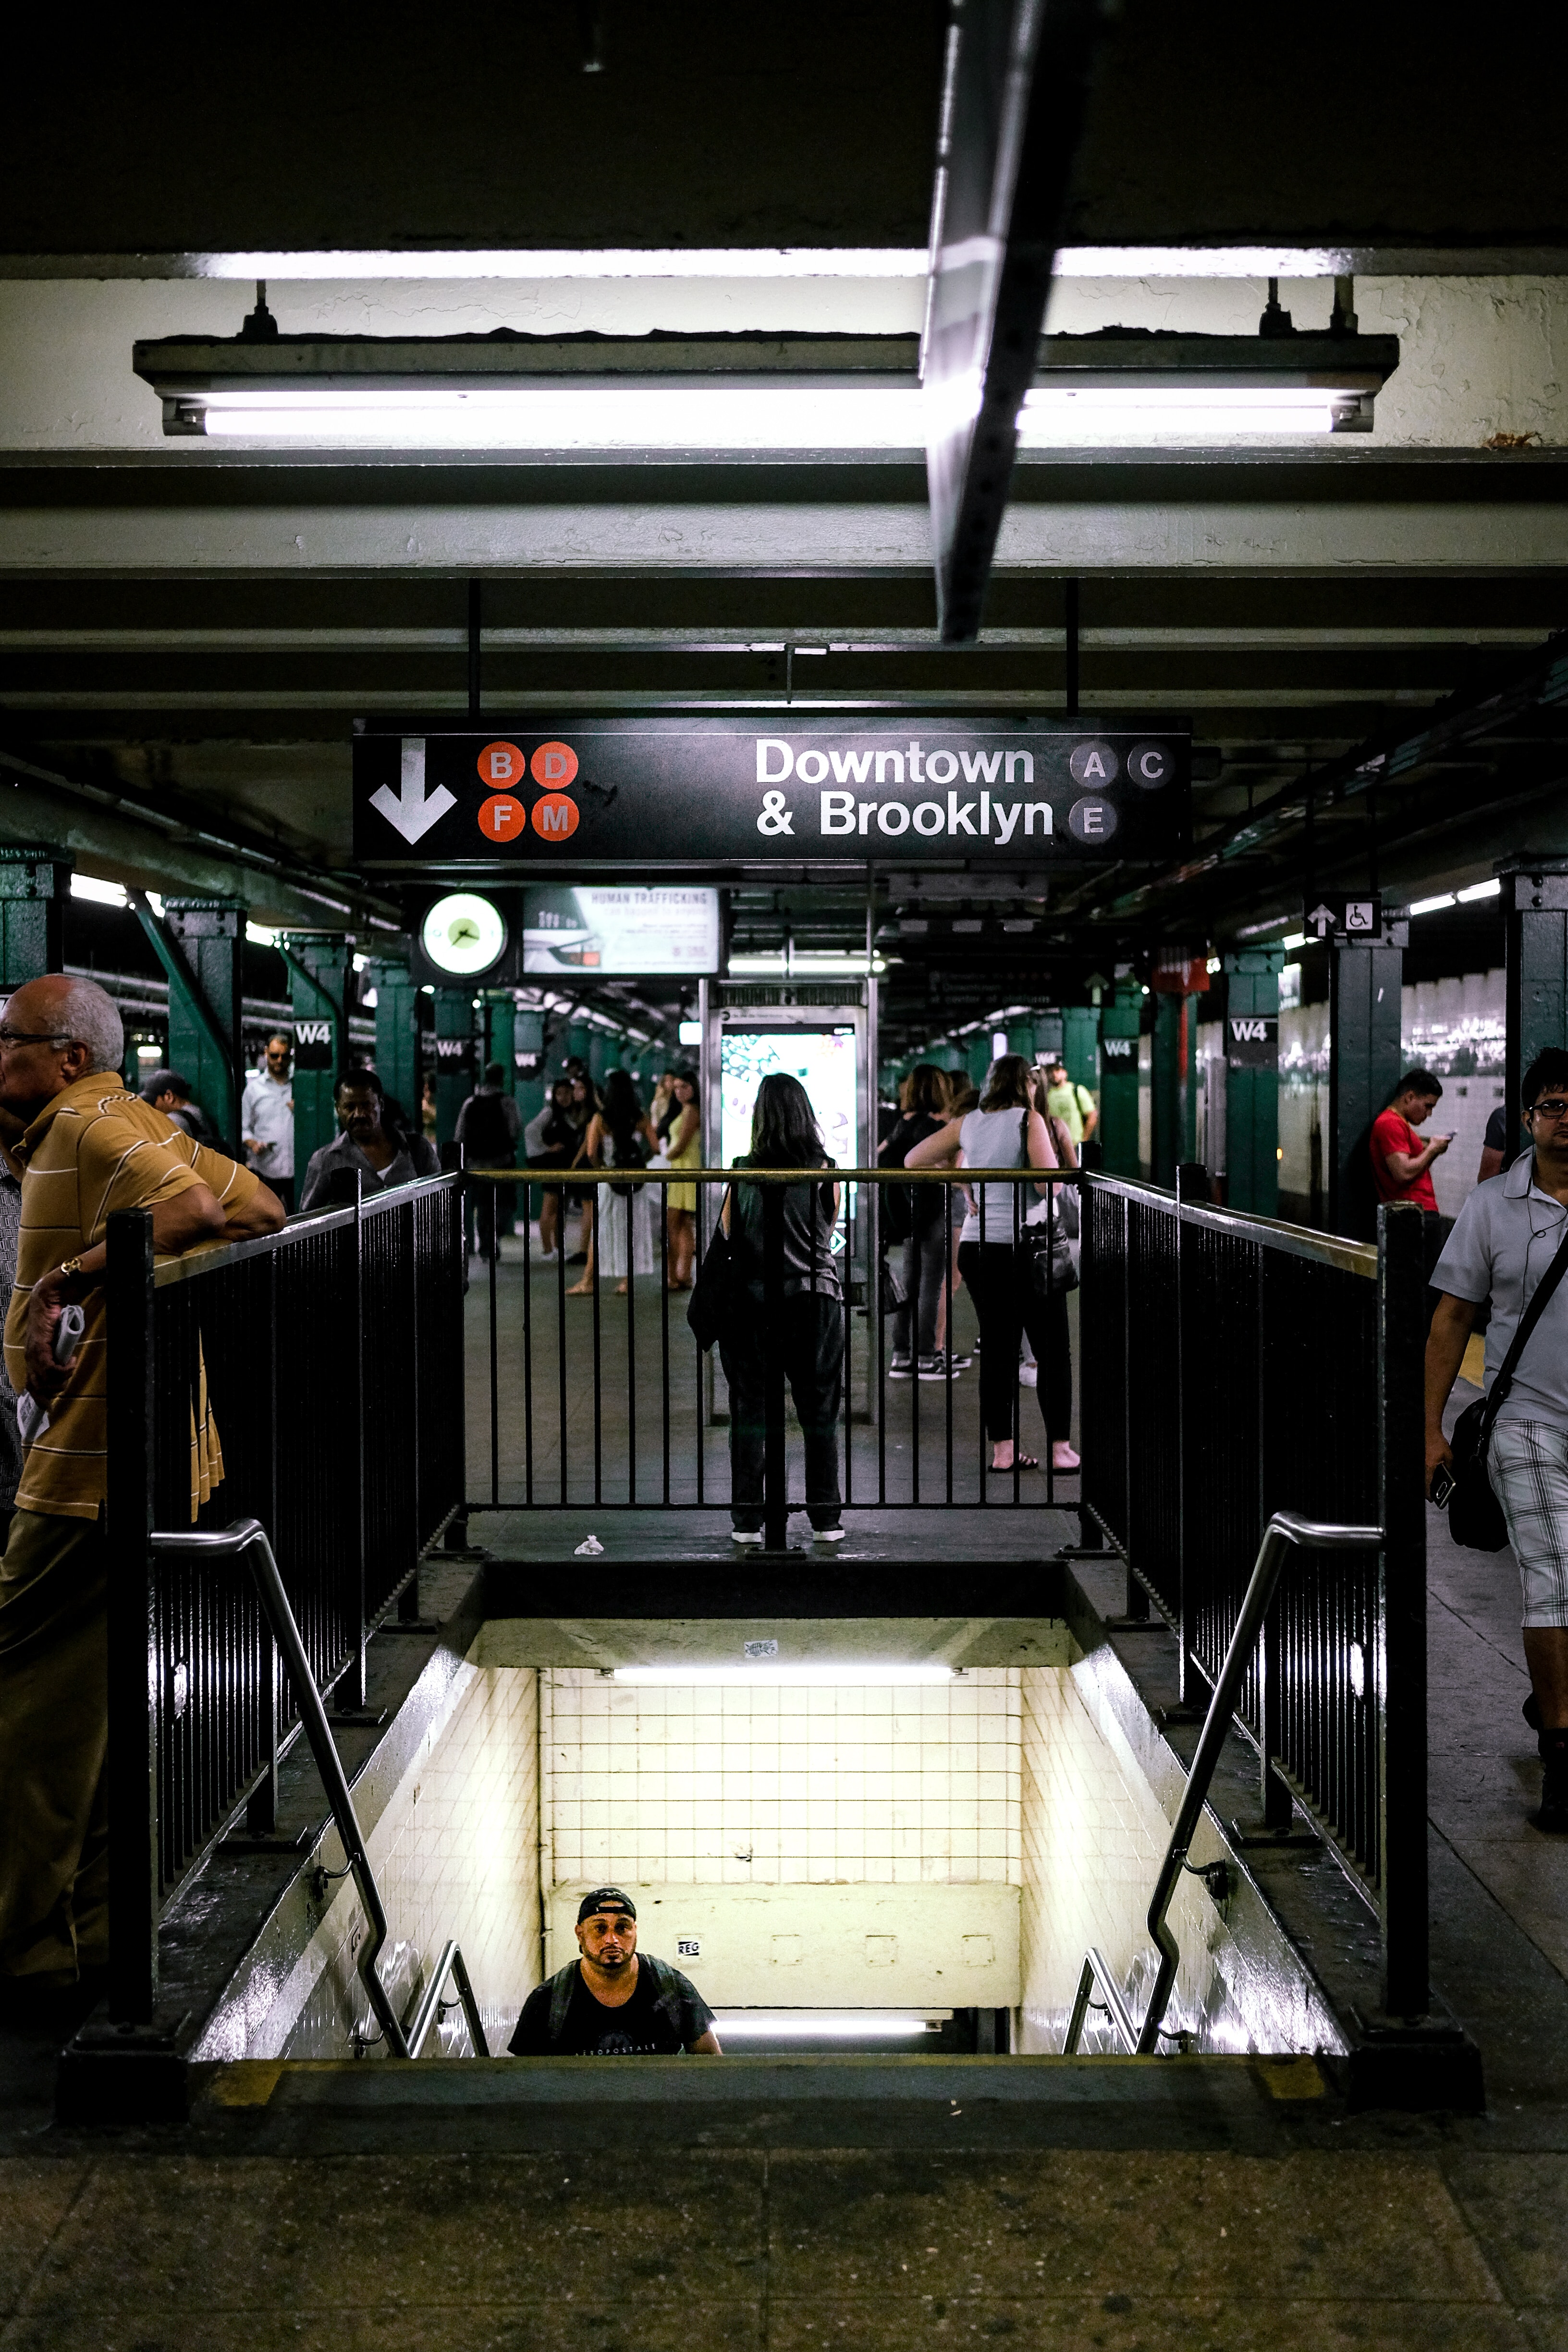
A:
(1552, 1106)
(33, 1037)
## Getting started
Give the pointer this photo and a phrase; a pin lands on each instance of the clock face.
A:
(463, 934)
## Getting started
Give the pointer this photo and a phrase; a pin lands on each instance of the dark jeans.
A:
(811, 1342)
(925, 1262)
(1001, 1284)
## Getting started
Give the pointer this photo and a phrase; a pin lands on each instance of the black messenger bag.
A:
(1474, 1515)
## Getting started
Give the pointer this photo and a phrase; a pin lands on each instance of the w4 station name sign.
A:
(685, 792)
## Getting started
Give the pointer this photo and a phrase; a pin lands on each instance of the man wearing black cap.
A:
(614, 2002)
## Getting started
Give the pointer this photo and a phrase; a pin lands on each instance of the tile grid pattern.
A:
(703, 1786)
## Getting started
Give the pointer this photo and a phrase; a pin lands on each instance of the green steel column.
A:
(1365, 1060)
(1252, 1078)
(1080, 1037)
(397, 1031)
(1167, 1081)
(978, 1056)
(500, 1034)
(208, 937)
(319, 966)
(1535, 956)
(1121, 1023)
(35, 884)
(455, 1057)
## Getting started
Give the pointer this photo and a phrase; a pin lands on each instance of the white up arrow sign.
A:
(1322, 918)
(409, 810)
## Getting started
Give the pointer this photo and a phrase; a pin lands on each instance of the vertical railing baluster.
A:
(133, 1675)
(775, 1500)
(1398, 1670)
(528, 1341)
(494, 1199)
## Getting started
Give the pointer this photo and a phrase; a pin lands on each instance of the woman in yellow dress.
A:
(682, 1141)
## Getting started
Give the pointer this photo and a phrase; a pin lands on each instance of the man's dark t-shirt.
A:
(590, 2030)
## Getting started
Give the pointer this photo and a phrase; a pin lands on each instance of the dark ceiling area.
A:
(702, 125)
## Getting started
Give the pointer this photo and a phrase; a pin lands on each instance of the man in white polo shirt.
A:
(1504, 1241)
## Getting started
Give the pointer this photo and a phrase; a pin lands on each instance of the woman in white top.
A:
(1007, 1131)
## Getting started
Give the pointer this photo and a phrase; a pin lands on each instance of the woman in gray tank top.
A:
(1008, 1131)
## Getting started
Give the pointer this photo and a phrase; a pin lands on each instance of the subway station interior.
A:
(875, 548)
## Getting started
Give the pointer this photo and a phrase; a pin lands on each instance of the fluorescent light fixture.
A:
(691, 1033)
(1431, 906)
(149, 1053)
(102, 894)
(697, 416)
(740, 393)
(818, 2025)
(1478, 890)
(1297, 940)
(606, 262)
(851, 1674)
(803, 963)
(261, 935)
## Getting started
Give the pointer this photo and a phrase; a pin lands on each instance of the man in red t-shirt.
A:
(1401, 1162)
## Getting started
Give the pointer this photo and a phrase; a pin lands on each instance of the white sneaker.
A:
(746, 1535)
(829, 1535)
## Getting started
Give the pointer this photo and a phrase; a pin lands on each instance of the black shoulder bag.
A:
(711, 1303)
(1051, 1265)
(1474, 1515)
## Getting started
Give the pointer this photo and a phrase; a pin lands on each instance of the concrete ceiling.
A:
(186, 632)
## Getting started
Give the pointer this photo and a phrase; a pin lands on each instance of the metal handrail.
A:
(584, 1173)
(250, 1536)
(1284, 1532)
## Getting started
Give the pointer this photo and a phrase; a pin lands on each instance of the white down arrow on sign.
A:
(410, 810)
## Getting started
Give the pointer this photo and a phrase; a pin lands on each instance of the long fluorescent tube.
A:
(1297, 940)
(1431, 906)
(580, 416)
(1478, 890)
(850, 1674)
(102, 894)
(718, 417)
(823, 2025)
(1140, 412)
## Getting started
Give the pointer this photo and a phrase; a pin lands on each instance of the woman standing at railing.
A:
(1007, 1131)
(810, 1334)
(619, 1136)
(680, 1139)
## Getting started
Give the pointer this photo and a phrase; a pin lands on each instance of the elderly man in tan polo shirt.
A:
(89, 1146)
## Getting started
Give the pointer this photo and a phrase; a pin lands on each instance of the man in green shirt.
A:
(1075, 1106)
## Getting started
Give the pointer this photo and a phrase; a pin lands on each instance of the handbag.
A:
(1053, 1268)
(893, 1290)
(710, 1307)
(1475, 1516)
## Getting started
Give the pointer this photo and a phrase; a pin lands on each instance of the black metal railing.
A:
(331, 1358)
(1235, 1368)
(590, 1388)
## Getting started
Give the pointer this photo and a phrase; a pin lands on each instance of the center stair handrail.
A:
(1285, 1532)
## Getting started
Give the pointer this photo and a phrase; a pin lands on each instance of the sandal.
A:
(581, 1290)
(1019, 1462)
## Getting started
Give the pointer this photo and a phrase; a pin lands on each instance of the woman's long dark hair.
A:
(674, 1109)
(784, 1133)
(928, 1090)
(1007, 1084)
(620, 1111)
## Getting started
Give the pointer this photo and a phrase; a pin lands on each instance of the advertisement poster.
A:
(611, 930)
(823, 1062)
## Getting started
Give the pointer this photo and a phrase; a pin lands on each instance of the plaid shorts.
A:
(1529, 1465)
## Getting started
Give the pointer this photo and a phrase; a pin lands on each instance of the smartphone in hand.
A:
(1442, 1487)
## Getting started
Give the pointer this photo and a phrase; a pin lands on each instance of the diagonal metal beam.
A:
(1012, 108)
